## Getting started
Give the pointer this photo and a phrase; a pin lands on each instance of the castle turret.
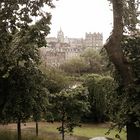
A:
(60, 36)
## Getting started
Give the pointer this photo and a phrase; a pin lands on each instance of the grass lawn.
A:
(48, 131)
(86, 130)
(97, 130)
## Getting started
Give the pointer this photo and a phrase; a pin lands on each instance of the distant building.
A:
(54, 59)
(62, 52)
(51, 57)
(93, 40)
(76, 42)
(51, 39)
(90, 40)
(62, 48)
(60, 36)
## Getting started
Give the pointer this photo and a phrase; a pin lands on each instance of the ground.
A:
(50, 129)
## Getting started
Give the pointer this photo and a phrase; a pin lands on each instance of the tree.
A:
(70, 105)
(20, 38)
(40, 99)
(94, 60)
(26, 95)
(25, 90)
(75, 66)
(100, 89)
(56, 80)
(125, 19)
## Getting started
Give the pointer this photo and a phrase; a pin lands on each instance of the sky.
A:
(76, 17)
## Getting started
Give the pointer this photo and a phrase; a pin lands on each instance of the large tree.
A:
(125, 20)
(21, 36)
(69, 105)
(24, 92)
(100, 89)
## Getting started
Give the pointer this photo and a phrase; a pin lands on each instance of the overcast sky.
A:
(75, 17)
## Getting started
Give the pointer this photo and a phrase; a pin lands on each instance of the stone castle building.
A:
(62, 48)
(93, 40)
(90, 40)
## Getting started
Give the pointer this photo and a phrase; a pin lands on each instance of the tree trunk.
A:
(113, 45)
(133, 132)
(19, 129)
(115, 53)
(36, 128)
(63, 122)
(63, 135)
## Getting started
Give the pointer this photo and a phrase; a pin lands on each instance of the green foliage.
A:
(100, 90)
(56, 80)
(22, 88)
(26, 93)
(20, 14)
(74, 66)
(69, 105)
(126, 108)
(131, 50)
(130, 15)
(94, 60)
(21, 77)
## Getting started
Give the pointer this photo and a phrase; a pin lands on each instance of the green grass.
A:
(87, 130)
(90, 131)
(48, 131)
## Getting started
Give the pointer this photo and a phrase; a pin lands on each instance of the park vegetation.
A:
(83, 89)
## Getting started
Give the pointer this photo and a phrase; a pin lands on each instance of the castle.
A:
(60, 48)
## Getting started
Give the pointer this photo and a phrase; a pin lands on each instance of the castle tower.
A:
(60, 36)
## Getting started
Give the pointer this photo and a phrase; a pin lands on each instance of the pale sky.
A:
(75, 17)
